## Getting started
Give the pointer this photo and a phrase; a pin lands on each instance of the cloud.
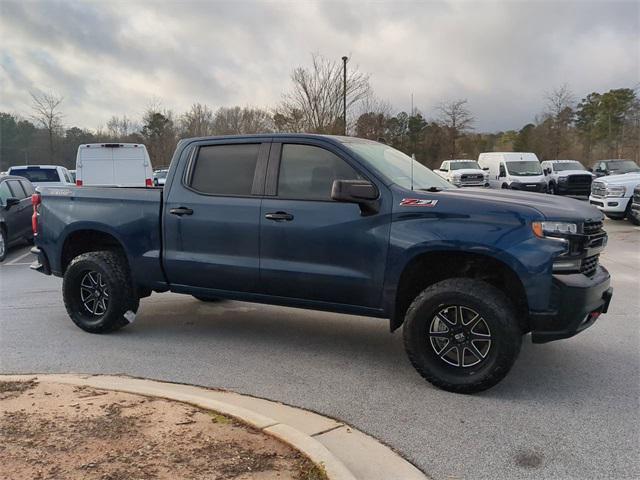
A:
(112, 58)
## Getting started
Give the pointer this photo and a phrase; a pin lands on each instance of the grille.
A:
(598, 189)
(589, 228)
(579, 179)
(589, 265)
(471, 178)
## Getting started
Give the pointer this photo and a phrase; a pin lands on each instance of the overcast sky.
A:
(113, 58)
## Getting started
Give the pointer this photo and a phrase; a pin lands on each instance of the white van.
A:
(114, 164)
(515, 170)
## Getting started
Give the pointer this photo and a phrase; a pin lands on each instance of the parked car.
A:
(463, 173)
(513, 170)
(634, 214)
(113, 164)
(567, 177)
(159, 177)
(43, 175)
(614, 167)
(338, 224)
(15, 212)
(612, 194)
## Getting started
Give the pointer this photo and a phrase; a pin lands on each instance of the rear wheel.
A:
(98, 292)
(462, 335)
(3, 244)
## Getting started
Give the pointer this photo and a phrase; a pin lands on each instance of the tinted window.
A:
(308, 172)
(28, 188)
(4, 192)
(225, 169)
(16, 188)
(38, 175)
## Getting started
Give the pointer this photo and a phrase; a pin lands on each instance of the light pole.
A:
(344, 93)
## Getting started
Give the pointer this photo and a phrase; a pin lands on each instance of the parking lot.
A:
(567, 410)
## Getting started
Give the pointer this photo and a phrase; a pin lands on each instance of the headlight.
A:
(616, 190)
(562, 180)
(553, 229)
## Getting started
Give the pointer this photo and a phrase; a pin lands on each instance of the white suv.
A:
(463, 173)
(612, 194)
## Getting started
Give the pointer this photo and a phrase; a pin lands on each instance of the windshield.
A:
(623, 166)
(524, 168)
(396, 167)
(469, 164)
(37, 175)
(561, 166)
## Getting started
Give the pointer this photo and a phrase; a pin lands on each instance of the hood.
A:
(468, 171)
(622, 178)
(566, 173)
(552, 207)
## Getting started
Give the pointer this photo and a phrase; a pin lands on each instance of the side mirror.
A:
(11, 201)
(361, 192)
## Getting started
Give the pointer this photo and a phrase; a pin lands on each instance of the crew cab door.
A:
(212, 216)
(311, 247)
(20, 213)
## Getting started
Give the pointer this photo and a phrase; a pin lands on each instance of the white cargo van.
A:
(117, 164)
(515, 170)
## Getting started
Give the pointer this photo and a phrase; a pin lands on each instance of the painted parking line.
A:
(17, 259)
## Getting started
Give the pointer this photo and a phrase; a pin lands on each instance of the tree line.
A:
(600, 125)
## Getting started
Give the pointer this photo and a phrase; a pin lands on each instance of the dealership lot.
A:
(567, 410)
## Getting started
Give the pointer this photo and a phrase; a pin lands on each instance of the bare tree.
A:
(559, 114)
(120, 127)
(198, 121)
(242, 120)
(318, 94)
(47, 114)
(456, 119)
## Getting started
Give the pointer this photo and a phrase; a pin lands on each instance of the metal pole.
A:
(344, 93)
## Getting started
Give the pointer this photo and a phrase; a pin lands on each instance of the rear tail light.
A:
(148, 182)
(78, 183)
(36, 200)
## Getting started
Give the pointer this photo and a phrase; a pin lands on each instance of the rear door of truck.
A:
(212, 215)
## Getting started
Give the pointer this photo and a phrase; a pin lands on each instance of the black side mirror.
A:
(361, 192)
(11, 201)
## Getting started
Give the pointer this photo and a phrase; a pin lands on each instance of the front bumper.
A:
(577, 300)
(609, 204)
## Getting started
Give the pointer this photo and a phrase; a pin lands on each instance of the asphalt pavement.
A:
(568, 409)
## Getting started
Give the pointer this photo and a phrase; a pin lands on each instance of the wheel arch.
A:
(428, 268)
(87, 240)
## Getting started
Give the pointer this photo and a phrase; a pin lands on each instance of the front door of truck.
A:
(311, 247)
(212, 217)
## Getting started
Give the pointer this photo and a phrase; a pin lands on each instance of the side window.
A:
(308, 172)
(4, 192)
(28, 188)
(603, 166)
(225, 169)
(16, 188)
(67, 178)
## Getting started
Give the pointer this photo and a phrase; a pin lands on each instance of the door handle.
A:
(279, 216)
(181, 211)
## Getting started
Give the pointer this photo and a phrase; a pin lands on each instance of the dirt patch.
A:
(51, 431)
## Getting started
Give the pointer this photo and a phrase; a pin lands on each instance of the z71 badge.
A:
(417, 202)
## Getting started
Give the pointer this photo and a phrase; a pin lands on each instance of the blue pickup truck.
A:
(337, 224)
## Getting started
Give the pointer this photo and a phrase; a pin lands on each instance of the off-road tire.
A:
(122, 297)
(207, 299)
(631, 216)
(494, 308)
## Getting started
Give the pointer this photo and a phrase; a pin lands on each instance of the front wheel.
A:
(462, 335)
(3, 244)
(98, 292)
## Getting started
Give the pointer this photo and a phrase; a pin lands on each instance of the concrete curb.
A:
(345, 453)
